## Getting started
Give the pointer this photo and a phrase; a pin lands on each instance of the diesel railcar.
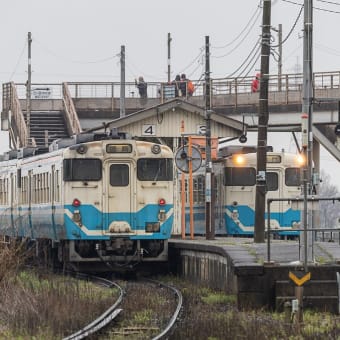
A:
(234, 189)
(94, 201)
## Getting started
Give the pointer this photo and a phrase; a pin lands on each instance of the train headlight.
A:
(239, 159)
(235, 215)
(162, 215)
(77, 217)
(300, 160)
(156, 149)
(161, 201)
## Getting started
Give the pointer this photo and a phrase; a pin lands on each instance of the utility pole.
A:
(122, 81)
(307, 110)
(279, 62)
(210, 228)
(169, 58)
(28, 90)
(260, 198)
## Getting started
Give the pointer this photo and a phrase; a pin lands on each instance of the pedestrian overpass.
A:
(86, 105)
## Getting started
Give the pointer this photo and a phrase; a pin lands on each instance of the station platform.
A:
(241, 267)
(243, 251)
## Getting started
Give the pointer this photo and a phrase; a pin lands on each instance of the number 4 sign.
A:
(149, 130)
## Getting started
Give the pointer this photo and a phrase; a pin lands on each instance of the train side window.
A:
(1, 191)
(119, 175)
(293, 177)
(82, 169)
(272, 181)
(239, 176)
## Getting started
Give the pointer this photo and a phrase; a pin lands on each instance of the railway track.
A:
(144, 309)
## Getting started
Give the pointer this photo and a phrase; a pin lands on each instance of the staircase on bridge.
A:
(46, 126)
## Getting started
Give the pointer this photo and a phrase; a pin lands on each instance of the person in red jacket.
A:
(255, 84)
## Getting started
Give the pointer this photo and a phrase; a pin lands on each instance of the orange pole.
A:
(183, 196)
(191, 195)
(183, 205)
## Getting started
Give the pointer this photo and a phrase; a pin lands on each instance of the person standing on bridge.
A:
(255, 84)
(142, 87)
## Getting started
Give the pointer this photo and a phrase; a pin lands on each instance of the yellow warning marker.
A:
(299, 281)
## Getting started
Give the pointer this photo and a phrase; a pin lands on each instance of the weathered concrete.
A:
(239, 266)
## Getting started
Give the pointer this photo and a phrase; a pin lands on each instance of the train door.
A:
(274, 190)
(120, 181)
(13, 202)
(53, 181)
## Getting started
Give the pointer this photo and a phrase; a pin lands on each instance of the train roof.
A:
(229, 150)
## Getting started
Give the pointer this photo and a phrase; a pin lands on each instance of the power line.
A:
(247, 58)
(292, 28)
(246, 26)
(74, 61)
(19, 59)
(317, 8)
(233, 49)
(197, 58)
(330, 2)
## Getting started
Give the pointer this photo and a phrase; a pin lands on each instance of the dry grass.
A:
(44, 306)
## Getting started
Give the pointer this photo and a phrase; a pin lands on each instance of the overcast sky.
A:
(80, 40)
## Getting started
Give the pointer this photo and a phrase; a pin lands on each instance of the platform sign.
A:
(149, 130)
(298, 279)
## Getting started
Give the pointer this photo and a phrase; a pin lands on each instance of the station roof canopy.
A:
(175, 118)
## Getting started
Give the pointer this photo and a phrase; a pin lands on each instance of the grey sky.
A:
(79, 40)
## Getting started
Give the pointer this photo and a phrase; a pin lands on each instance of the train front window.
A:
(292, 177)
(82, 169)
(272, 181)
(119, 175)
(154, 169)
(239, 176)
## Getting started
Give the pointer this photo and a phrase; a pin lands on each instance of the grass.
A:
(214, 315)
(37, 305)
(43, 306)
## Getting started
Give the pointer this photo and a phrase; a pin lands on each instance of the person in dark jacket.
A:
(142, 87)
(183, 85)
(176, 82)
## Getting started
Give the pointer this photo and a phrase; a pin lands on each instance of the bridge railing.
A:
(219, 87)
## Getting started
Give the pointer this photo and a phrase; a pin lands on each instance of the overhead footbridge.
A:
(61, 110)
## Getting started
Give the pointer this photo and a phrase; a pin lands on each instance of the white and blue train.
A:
(93, 202)
(234, 190)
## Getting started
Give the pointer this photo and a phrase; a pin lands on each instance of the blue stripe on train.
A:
(94, 220)
(246, 216)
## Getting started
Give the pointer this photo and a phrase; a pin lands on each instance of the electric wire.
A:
(18, 62)
(330, 2)
(328, 49)
(246, 26)
(316, 8)
(255, 59)
(197, 58)
(233, 49)
(74, 61)
(130, 64)
(258, 46)
(292, 28)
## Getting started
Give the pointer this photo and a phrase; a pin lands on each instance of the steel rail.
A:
(175, 314)
(105, 318)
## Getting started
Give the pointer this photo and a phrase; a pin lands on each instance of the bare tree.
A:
(329, 211)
